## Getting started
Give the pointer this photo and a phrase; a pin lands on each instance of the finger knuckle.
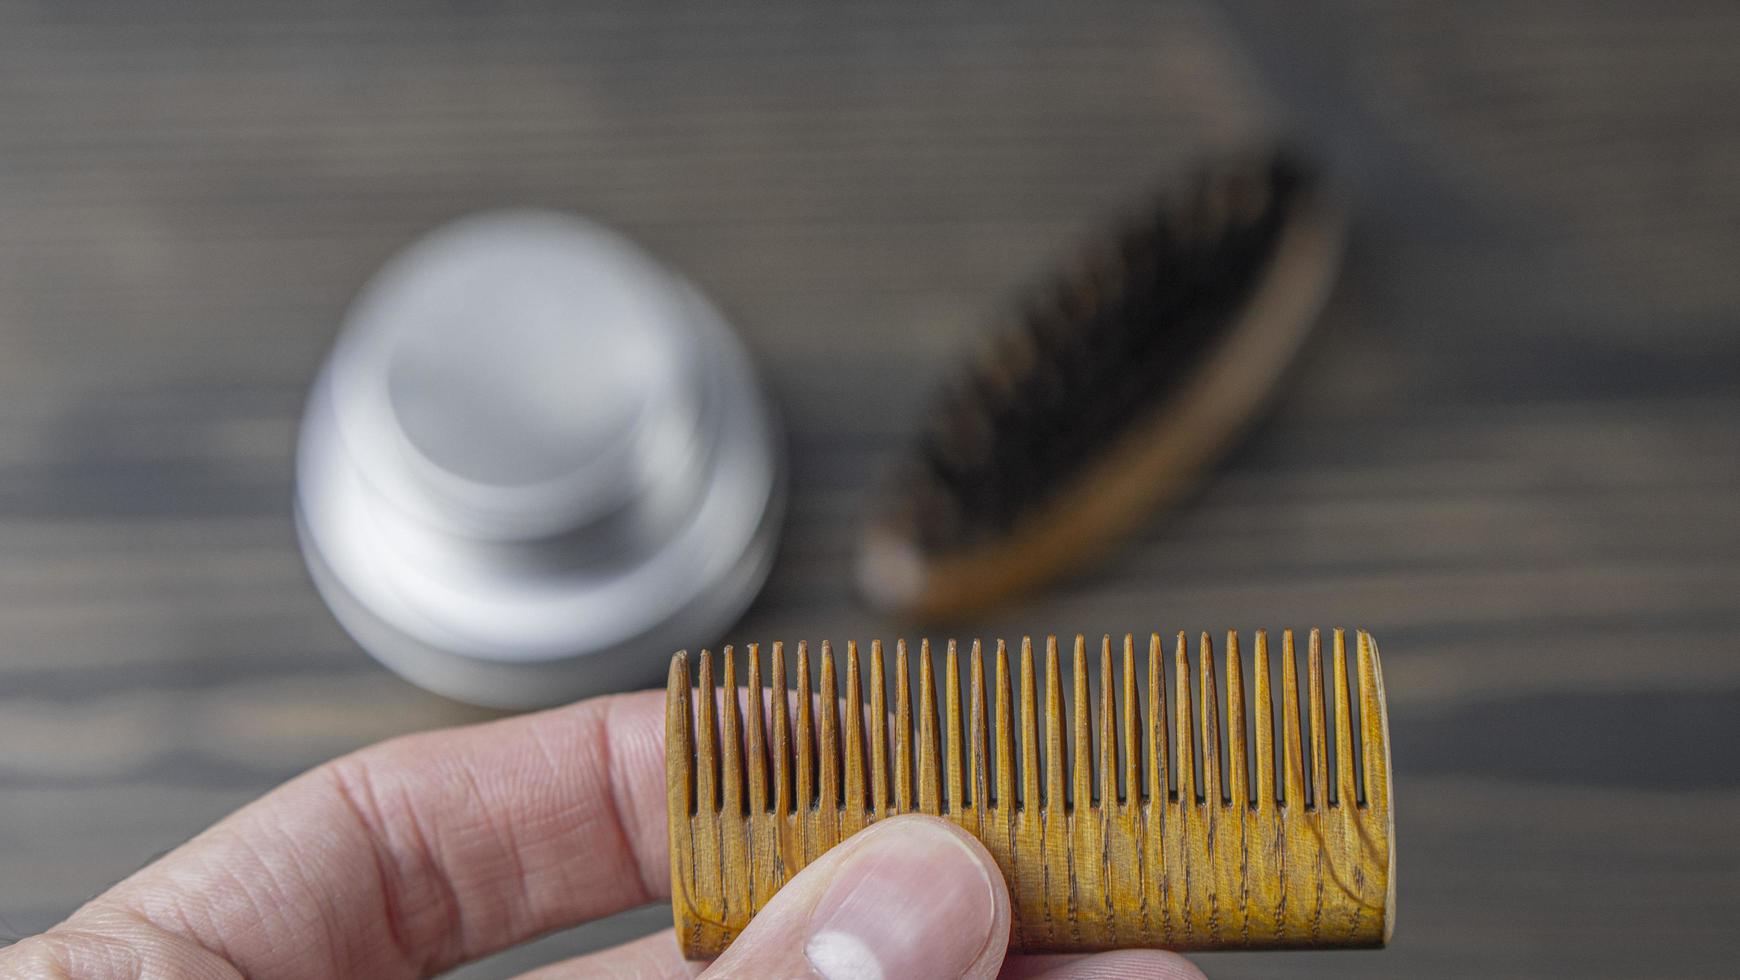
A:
(420, 909)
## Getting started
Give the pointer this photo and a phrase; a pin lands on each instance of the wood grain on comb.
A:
(1157, 826)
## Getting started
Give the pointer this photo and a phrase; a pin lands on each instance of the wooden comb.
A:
(1152, 854)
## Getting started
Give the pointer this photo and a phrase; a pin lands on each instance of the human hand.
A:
(422, 853)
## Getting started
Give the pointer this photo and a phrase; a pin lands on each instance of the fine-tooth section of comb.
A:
(1151, 824)
(1109, 392)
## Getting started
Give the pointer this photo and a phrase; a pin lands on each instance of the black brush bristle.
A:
(1089, 353)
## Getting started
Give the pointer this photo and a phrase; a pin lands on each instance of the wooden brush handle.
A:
(1157, 857)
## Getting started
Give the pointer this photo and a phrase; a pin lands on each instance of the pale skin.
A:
(425, 852)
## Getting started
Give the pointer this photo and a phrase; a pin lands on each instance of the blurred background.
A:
(1512, 451)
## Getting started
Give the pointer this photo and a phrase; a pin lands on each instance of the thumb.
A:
(909, 897)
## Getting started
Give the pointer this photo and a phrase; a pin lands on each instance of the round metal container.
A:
(535, 464)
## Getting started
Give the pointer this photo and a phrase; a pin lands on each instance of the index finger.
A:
(414, 855)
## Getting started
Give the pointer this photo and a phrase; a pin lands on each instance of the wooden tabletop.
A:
(1513, 451)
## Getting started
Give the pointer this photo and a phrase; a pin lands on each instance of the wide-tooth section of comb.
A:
(1156, 826)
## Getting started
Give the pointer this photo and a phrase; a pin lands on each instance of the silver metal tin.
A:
(535, 464)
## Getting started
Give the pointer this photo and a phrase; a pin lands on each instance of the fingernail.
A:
(911, 901)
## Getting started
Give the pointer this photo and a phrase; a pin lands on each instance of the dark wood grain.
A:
(1513, 452)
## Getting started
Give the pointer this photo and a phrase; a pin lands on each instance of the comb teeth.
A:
(1106, 841)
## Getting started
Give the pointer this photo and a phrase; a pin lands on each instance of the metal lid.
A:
(535, 464)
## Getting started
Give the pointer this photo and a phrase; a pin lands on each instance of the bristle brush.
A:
(1109, 393)
(1263, 849)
